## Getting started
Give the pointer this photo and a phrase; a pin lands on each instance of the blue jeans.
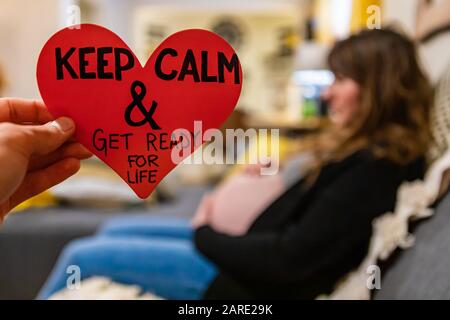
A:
(155, 253)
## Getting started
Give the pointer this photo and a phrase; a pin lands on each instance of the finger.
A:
(208, 198)
(205, 204)
(23, 111)
(39, 181)
(68, 150)
(209, 202)
(44, 139)
(253, 169)
(204, 211)
(264, 162)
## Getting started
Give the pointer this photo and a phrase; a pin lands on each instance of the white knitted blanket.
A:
(390, 231)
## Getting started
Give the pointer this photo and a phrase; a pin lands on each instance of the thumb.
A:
(50, 136)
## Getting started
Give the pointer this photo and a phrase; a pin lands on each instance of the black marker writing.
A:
(137, 102)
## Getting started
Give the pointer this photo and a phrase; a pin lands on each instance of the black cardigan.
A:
(306, 240)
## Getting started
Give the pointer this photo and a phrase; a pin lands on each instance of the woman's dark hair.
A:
(395, 99)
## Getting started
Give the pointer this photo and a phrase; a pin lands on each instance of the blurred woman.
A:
(319, 229)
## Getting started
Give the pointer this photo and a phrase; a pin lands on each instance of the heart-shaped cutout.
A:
(126, 114)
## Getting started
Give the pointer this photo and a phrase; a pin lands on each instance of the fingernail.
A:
(64, 124)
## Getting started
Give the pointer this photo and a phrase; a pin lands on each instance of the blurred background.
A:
(282, 46)
(278, 41)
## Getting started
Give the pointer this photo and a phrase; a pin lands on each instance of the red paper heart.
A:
(96, 87)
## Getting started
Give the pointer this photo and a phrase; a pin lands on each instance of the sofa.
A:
(31, 241)
(423, 271)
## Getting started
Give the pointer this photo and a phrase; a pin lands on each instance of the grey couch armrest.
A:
(423, 271)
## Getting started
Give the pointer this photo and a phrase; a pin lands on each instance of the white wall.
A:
(25, 25)
(400, 12)
(260, 34)
(435, 55)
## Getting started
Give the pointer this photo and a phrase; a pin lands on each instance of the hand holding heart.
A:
(35, 152)
(125, 113)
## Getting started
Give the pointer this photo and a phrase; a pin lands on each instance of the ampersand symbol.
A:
(137, 102)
